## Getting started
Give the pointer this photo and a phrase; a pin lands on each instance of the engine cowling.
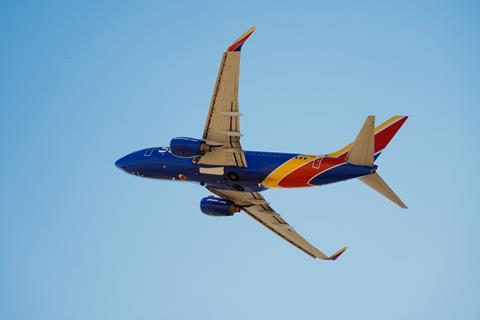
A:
(188, 147)
(218, 207)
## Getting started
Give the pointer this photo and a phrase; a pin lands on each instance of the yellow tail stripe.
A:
(377, 129)
(274, 178)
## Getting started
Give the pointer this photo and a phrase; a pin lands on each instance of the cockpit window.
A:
(148, 153)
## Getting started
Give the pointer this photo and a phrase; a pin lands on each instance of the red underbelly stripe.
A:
(301, 176)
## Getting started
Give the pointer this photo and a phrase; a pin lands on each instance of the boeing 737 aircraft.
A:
(237, 177)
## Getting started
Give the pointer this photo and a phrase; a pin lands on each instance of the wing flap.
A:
(224, 157)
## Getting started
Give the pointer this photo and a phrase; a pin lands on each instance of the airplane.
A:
(237, 177)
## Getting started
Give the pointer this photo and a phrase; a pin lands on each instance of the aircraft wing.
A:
(255, 206)
(222, 127)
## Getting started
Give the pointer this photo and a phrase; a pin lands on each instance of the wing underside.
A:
(222, 127)
(258, 208)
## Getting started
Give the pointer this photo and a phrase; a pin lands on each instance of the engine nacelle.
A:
(188, 147)
(218, 207)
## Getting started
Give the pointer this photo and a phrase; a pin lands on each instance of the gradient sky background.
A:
(82, 84)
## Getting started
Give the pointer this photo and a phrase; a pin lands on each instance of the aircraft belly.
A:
(341, 172)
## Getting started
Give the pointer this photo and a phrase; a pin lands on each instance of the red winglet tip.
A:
(337, 254)
(237, 45)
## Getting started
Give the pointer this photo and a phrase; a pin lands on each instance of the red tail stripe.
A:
(383, 137)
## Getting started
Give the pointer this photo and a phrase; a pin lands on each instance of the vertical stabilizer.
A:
(375, 182)
(383, 135)
(363, 147)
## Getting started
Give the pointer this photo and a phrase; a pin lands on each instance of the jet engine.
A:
(188, 147)
(218, 207)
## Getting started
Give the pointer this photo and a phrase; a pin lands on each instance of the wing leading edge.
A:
(258, 208)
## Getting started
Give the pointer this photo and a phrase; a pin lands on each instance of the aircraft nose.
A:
(121, 163)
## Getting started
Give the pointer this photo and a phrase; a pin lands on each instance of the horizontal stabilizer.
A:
(363, 148)
(375, 182)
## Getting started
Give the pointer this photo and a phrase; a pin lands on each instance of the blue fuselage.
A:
(160, 163)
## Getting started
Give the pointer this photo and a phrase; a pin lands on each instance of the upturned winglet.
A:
(237, 45)
(337, 254)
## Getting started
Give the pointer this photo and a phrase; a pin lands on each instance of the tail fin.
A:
(383, 134)
(375, 182)
(367, 147)
(362, 149)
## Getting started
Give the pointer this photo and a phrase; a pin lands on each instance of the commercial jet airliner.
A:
(237, 177)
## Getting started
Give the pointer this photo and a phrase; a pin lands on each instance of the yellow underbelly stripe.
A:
(274, 178)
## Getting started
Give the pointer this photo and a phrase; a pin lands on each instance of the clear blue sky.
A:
(82, 84)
